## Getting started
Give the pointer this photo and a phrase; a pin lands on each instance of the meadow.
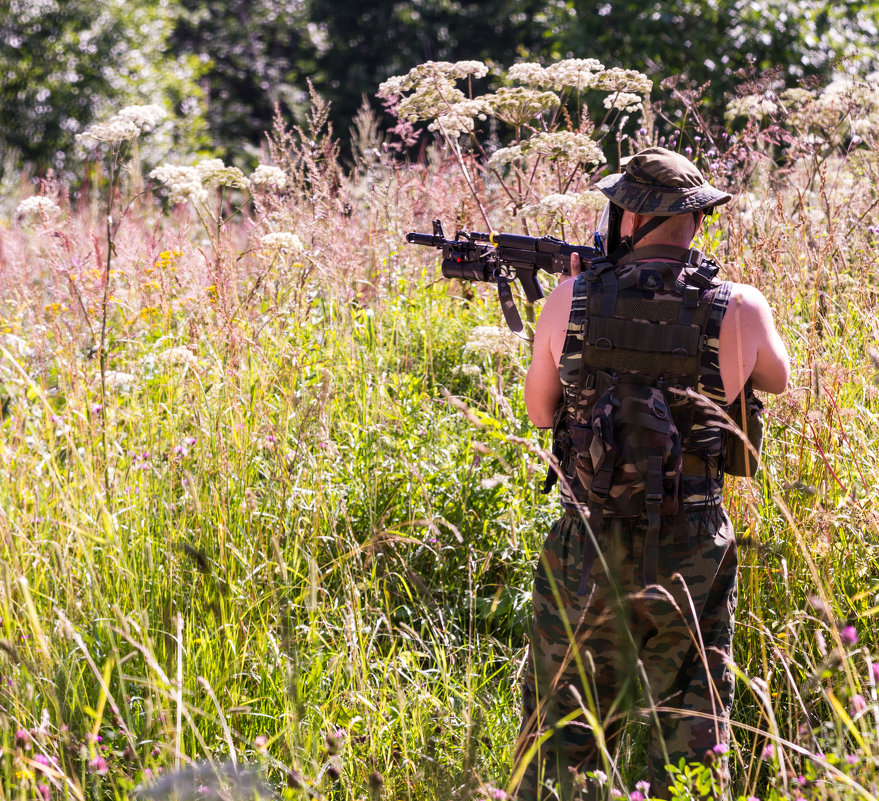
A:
(270, 502)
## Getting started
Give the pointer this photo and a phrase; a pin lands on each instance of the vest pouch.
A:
(631, 439)
(740, 459)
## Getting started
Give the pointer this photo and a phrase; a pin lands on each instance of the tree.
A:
(65, 62)
(257, 55)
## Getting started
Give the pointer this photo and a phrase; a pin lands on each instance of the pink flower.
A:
(768, 752)
(636, 795)
(858, 704)
(23, 738)
(720, 749)
(98, 765)
(875, 671)
(849, 635)
(44, 791)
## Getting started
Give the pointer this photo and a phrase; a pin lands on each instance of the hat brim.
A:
(659, 201)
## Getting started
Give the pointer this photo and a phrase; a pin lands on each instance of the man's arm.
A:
(543, 388)
(750, 347)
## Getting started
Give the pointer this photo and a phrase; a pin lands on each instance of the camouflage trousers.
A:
(593, 654)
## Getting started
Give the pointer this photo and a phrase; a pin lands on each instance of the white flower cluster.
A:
(750, 106)
(564, 204)
(281, 240)
(214, 173)
(268, 176)
(570, 73)
(183, 183)
(37, 205)
(469, 370)
(505, 155)
(177, 357)
(574, 73)
(434, 93)
(617, 79)
(117, 381)
(123, 126)
(626, 101)
(191, 183)
(490, 339)
(460, 117)
(567, 145)
(431, 71)
(517, 106)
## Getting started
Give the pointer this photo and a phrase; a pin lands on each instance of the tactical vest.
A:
(638, 431)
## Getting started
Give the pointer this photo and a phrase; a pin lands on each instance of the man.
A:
(644, 597)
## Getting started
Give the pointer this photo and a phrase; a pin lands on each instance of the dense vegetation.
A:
(270, 506)
(223, 67)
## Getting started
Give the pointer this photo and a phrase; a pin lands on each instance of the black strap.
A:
(688, 256)
(653, 493)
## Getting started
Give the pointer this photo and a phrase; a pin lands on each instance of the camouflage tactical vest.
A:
(638, 432)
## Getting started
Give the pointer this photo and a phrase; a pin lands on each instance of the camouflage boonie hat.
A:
(661, 183)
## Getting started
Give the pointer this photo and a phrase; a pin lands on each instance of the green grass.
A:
(309, 545)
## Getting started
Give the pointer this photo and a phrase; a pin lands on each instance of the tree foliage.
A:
(64, 62)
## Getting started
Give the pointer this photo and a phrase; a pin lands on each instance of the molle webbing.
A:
(657, 337)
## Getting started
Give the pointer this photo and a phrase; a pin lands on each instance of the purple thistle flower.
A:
(849, 635)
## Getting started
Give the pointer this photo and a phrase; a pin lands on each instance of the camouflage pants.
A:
(671, 643)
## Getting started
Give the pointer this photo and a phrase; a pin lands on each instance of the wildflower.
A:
(281, 240)
(260, 742)
(643, 787)
(852, 759)
(23, 738)
(768, 751)
(37, 205)
(565, 144)
(214, 173)
(858, 704)
(848, 635)
(489, 339)
(600, 777)
(178, 356)
(753, 798)
(44, 791)
(97, 408)
(42, 760)
(98, 765)
(620, 80)
(636, 795)
(119, 381)
(574, 73)
(529, 73)
(505, 155)
(495, 793)
(269, 177)
(124, 126)
(874, 669)
(624, 100)
(183, 183)
(517, 105)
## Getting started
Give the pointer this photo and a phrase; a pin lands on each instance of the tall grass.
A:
(308, 543)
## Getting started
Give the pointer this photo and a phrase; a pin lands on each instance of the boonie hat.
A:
(661, 183)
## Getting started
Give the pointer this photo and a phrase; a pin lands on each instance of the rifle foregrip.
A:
(431, 240)
(533, 290)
